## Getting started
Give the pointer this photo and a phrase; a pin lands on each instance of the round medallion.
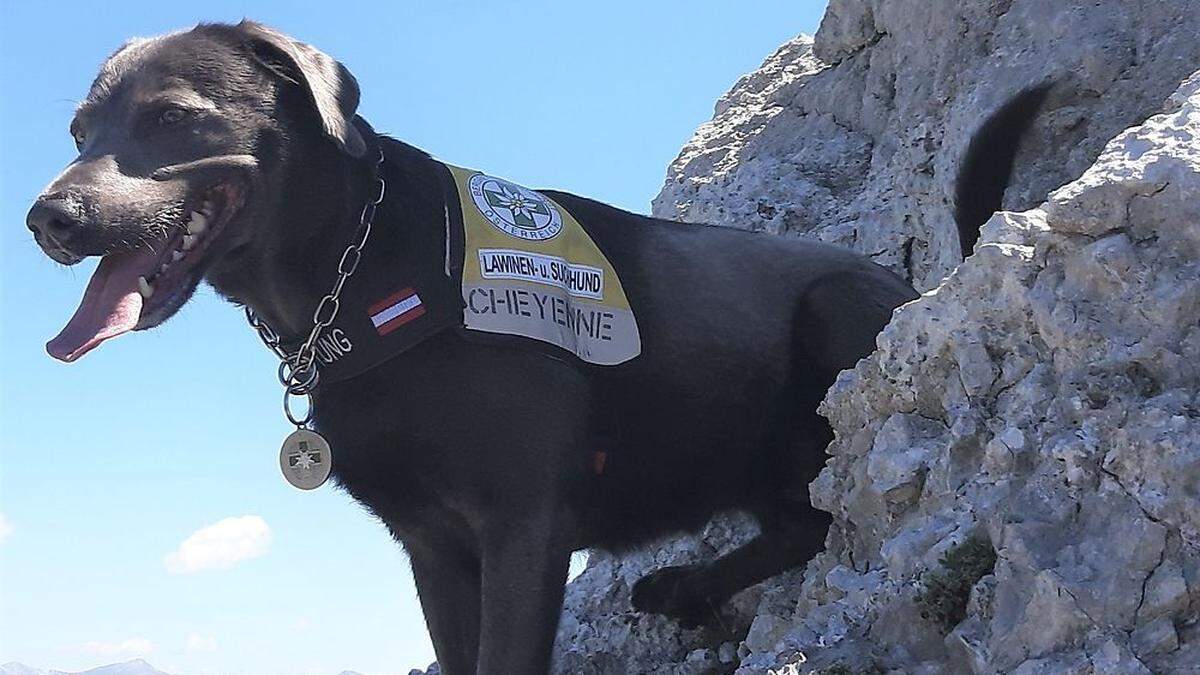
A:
(305, 459)
(515, 210)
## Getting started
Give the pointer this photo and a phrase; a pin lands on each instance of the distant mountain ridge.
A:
(134, 667)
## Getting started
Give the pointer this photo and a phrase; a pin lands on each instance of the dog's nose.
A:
(53, 219)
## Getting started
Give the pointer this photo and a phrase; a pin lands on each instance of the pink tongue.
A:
(110, 306)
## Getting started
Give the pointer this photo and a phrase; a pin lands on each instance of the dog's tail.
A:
(986, 169)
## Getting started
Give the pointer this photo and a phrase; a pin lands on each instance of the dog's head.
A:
(183, 142)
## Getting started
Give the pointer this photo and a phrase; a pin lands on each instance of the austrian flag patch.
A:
(396, 310)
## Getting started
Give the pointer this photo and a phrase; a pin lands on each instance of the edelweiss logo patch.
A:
(515, 210)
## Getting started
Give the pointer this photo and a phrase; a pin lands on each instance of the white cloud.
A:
(6, 528)
(128, 648)
(200, 643)
(221, 545)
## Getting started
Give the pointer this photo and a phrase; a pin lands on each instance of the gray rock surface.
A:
(857, 138)
(1044, 398)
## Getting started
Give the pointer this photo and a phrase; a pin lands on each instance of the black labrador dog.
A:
(232, 154)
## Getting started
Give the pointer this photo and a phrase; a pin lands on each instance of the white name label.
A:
(581, 281)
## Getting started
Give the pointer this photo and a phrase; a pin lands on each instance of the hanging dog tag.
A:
(305, 459)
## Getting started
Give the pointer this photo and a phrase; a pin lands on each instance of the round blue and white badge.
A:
(515, 210)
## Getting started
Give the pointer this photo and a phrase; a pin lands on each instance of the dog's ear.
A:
(331, 88)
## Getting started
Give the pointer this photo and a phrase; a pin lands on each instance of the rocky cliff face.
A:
(1016, 474)
(1044, 401)
(859, 137)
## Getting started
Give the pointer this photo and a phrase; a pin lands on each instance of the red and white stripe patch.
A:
(396, 310)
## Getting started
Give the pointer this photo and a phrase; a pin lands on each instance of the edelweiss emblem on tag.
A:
(514, 210)
(304, 459)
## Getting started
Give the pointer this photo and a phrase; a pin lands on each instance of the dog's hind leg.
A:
(448, 583)
(693, 594)
(792, 531)
(837, 319)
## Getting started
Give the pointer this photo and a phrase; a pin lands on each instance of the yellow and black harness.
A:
(508, 261)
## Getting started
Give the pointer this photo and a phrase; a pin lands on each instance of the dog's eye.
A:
(76, 130)
(172, 115)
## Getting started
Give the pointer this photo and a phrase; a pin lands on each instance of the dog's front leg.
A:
(448, 583)
(524, 571)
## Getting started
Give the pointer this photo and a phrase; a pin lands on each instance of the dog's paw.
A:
(681, 593)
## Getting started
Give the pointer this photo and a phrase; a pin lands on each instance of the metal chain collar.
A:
(298, 371)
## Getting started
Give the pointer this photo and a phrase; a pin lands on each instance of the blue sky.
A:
(109, 467)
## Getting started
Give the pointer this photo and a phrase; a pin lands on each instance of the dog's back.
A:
(742, 334)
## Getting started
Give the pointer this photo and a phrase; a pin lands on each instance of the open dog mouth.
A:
(136, 289)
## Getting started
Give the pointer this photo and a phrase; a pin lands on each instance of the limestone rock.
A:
(1076, 454)
(859, 137)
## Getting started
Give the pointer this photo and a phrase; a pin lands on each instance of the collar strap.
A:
(298, 371)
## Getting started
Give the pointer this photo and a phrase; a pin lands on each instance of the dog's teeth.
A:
(207, 208)
(188, 242)
(198, 223)
(176, 256)
(145, 288)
